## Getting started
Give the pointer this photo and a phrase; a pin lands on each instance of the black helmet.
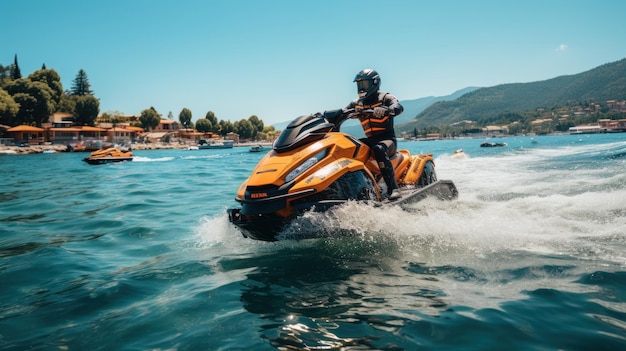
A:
(367, 83)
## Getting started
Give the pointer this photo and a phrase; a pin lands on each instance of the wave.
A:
(148, 159)
(538, 201)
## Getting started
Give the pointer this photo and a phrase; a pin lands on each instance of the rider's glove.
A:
(380, 111)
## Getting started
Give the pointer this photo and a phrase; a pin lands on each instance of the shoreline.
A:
(38, 149)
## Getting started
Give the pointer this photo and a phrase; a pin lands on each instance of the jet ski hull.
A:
(108, 155)
(100, 161)
(313, 167)
(265, 227)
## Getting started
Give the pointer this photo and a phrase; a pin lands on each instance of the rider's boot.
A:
(393, 193)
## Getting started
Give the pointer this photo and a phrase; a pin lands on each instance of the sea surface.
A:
(140, 256)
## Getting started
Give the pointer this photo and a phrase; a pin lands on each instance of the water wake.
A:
(148, 159)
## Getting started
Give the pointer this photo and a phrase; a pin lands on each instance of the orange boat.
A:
(108, 155)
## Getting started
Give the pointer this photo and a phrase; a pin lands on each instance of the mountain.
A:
(411, 109)
(485, 105)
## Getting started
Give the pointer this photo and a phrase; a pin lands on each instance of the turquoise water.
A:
(140, 256)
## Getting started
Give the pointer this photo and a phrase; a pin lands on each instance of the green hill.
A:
(486, 105)
(411, 109)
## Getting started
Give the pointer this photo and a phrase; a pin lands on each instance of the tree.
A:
(80, 84)
(67, 103)
(225, 127)
(5, 74)
(15, 69)
(52, 79)
(149, 118)
(27, 104)
(35, 99)
(8, 108)
(256, 123)
(204, 125)
(211, 117)
(185, 117)
(268, 133)
(86, 110)
(245, 129)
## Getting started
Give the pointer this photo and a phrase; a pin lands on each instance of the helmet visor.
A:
(363, 85)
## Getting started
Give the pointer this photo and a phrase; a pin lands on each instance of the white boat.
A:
(216, 144)
(256, 148)
(459, 154)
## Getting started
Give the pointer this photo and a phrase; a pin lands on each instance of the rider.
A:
(378, 125)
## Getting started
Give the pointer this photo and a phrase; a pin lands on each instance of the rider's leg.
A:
(386, 169)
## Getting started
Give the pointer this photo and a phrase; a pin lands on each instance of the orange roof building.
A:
(25, 128)
(27, 134)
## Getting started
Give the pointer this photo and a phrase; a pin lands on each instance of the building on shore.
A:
(60, 130)
(603, 126)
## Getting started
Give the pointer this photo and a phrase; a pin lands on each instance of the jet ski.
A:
(108, 155)
(489, 144)
(314, 166)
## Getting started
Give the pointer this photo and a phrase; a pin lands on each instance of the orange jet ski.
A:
(108, 155)
(313, 166)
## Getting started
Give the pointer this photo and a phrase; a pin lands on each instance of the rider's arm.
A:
(393, 105)
(349, 109)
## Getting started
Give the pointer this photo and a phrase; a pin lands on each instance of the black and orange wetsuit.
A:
(378, 128)
(379, 132)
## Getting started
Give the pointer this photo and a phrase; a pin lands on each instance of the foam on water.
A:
(517, 201)
(523, 211)
(152, 159)
(140, 255)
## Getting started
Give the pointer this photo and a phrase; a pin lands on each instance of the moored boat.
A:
(256, 148)
(216, 144)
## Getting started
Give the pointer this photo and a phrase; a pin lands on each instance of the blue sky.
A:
(279, 59)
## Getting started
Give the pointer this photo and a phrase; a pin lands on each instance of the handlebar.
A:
(337, 117)
(354, 112)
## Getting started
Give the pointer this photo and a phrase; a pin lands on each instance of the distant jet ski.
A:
(108, 155)
(489, 144)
